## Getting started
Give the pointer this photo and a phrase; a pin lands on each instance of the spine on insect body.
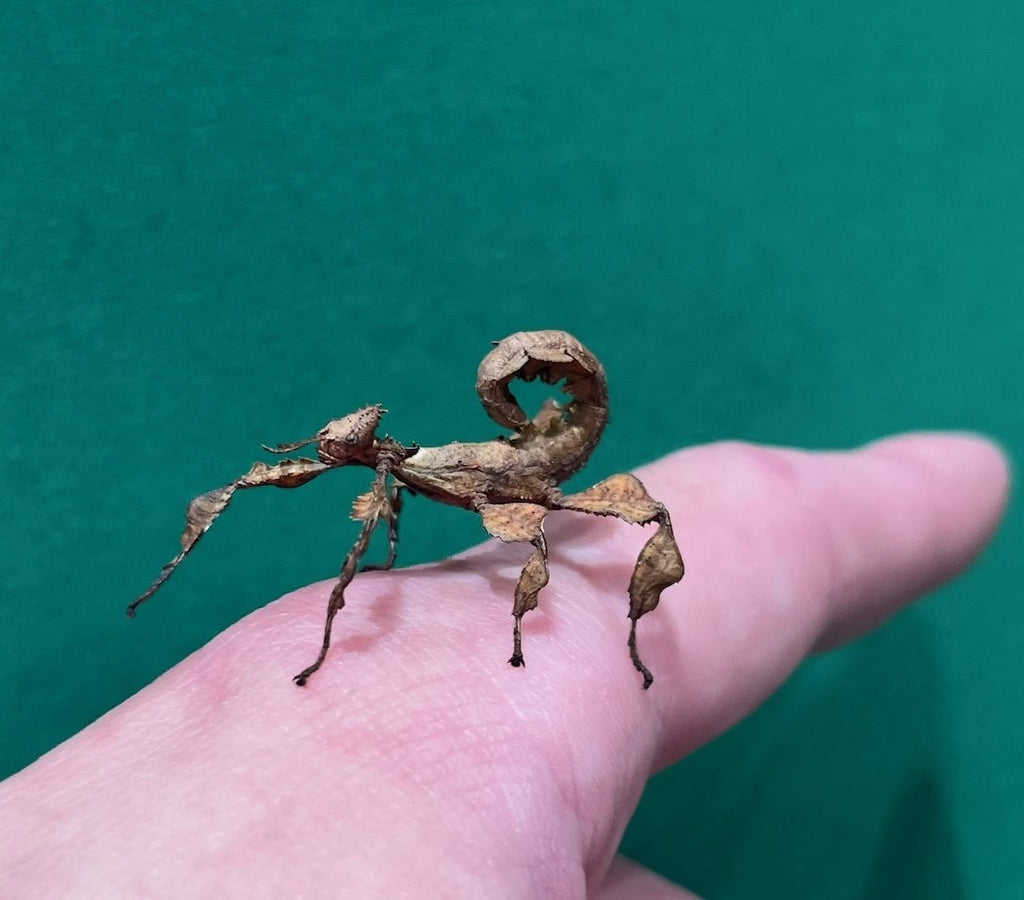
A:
(563, 434)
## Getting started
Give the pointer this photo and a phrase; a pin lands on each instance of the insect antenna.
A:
(288, 448)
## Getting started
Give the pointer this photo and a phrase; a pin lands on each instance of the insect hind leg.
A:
(659, 564)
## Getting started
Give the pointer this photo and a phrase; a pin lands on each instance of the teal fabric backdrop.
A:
(802, 223)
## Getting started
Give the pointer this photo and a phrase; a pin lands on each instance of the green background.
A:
(223, 223)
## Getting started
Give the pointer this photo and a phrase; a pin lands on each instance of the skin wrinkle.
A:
(602, 807)
(440, 759)
(478, 789)
(558, 872)
(536, 716)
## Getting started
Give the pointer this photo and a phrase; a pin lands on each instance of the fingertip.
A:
(927, 505)
(974, 469)
(961, 449)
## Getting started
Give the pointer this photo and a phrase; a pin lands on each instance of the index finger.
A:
(789, 552)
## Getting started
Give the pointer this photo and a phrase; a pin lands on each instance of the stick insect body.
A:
(512, 483)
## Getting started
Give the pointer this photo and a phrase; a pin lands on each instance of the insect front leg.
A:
(370, 509)
(521, 522)
(205, 508)
(660, 563)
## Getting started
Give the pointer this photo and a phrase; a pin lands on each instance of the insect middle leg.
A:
(521, 522)
(533, 577)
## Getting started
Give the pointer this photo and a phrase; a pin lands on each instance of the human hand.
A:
(417, 763)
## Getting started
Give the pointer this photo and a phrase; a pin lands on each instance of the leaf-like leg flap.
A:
(621, 495)
(201, 512)
(289, 473)
(659, 565)
(513, 521)
(389, 513)
(204, 509)
(199, 516)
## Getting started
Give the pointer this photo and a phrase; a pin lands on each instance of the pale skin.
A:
(415, 767)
